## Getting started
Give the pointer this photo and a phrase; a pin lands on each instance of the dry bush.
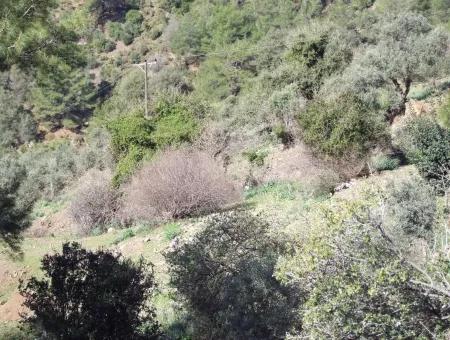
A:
(95, 202)
(177, 184)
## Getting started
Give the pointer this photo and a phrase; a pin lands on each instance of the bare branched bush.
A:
(95, 202)
(177, 184)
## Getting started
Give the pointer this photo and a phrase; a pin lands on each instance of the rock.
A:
(342, 186)
(111, 230)
(174, 244)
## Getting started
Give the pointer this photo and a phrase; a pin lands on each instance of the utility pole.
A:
(146, 88)
(144, 68)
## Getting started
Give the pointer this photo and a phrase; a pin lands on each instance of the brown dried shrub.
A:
(95, 203)
(179, 183)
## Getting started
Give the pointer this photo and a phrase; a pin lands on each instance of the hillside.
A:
(281, 171)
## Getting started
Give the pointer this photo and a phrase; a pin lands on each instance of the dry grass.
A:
(179, 183)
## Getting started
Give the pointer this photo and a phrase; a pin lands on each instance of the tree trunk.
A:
(403, 92)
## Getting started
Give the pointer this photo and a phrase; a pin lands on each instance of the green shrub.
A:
(213, 26)
(256, 157)
(315, 53)
(216, 80)
(410, 206)
(102, 44)
(134, 138)
(383, 162)
(15, 203)
(127, 35)
(172, 230)
(127, 164)
(420, 93)
(114, 30)
(16, 331)
(174, 123)
(128, 30)
(50, 167)
(61, 89)
(357, 277)
(131, 141)
(346, 125)
(282, 191)
(134, 17)
(180, 5)
(226, 274)
(126, 234)
(130, 131)
(427, 144)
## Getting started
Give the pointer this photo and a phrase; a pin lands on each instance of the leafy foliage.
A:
(225, 274)
(172, 230)
(61, 90)
(87, 294)
(411, 207)
(427, 145)
(175, 123)
(131, 140)
(135, 138)
(345, 126)
(381, 162)
(359, 278)
(25, 29)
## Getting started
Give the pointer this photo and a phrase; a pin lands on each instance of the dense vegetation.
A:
(338, 109)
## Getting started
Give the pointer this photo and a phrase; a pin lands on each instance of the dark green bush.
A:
(17, 125)
(92, 295)
(15, 203)
(427, 144)
(128, 30)
(213, 26)
(341, 127)
(317, 54)
(61, 90)
(256, 157)
(131, 141)
(226, 275)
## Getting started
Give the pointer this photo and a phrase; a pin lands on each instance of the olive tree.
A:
(405, 48)
(408, 50)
